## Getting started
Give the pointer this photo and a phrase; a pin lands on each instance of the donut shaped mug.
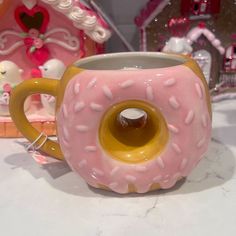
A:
(126, 122)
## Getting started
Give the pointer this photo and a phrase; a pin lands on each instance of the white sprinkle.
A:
(65, 111)
(98, 172)
(91, 148)
(141, 168)
(174, 103)
(107, 92)
(176, 148)
(166, 176)
(160, 162)
(79, 106)
(92, 83)
(166, 181)
(77, 88)
(82, 163)
(130, 178)
(96, 107)
(201, 142)
(113, 185)
(170, 82)
(82, 128)
(199, 90)
(127, 84)
(183, 164)
(157, 178)
(189, 118)
(204, 121)
(173, 129)
(114, 170)
(177, 176)
(149, 92)
(66, 133)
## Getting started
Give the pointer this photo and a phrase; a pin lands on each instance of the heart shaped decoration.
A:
(35, 18)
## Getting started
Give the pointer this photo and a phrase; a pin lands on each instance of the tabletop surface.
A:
(51, 200)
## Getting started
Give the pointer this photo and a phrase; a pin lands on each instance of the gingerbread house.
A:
(217, 17)
(228, 74)
(37, 36)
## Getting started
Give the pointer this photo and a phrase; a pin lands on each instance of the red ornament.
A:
(36, 73)
(202, 25)
(178, 27)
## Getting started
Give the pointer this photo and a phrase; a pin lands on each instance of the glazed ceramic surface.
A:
(170, 89)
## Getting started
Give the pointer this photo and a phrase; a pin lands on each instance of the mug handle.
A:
(16, 107)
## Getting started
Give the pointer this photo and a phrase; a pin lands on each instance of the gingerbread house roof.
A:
(200, 30)
(150, 11)
(80, 15)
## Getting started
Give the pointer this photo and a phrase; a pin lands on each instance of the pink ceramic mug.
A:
(127, 122)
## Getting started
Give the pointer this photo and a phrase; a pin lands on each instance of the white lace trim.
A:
(81, 19)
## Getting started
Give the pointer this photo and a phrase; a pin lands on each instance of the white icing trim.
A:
(9, 32)
(11, 49)
(72, 43)
(196, 32)
(62, 44)
(81, 19)
(4, 39)
(144, 39)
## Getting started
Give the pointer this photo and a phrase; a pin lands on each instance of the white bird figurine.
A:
(52, 69)
(10, 76)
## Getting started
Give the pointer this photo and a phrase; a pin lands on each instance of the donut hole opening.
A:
(133, 131)
(132, 118)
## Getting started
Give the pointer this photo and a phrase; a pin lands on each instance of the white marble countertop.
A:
(51, 200)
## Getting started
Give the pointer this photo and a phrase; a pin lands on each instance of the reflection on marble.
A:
(214, 169)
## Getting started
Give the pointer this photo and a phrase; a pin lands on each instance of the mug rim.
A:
(178, 58)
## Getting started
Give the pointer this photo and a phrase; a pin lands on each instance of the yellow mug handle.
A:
(16, 107)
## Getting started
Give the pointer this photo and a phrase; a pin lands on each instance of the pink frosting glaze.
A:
(177, 92)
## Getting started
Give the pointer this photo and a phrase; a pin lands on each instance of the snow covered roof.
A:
(201, 29)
